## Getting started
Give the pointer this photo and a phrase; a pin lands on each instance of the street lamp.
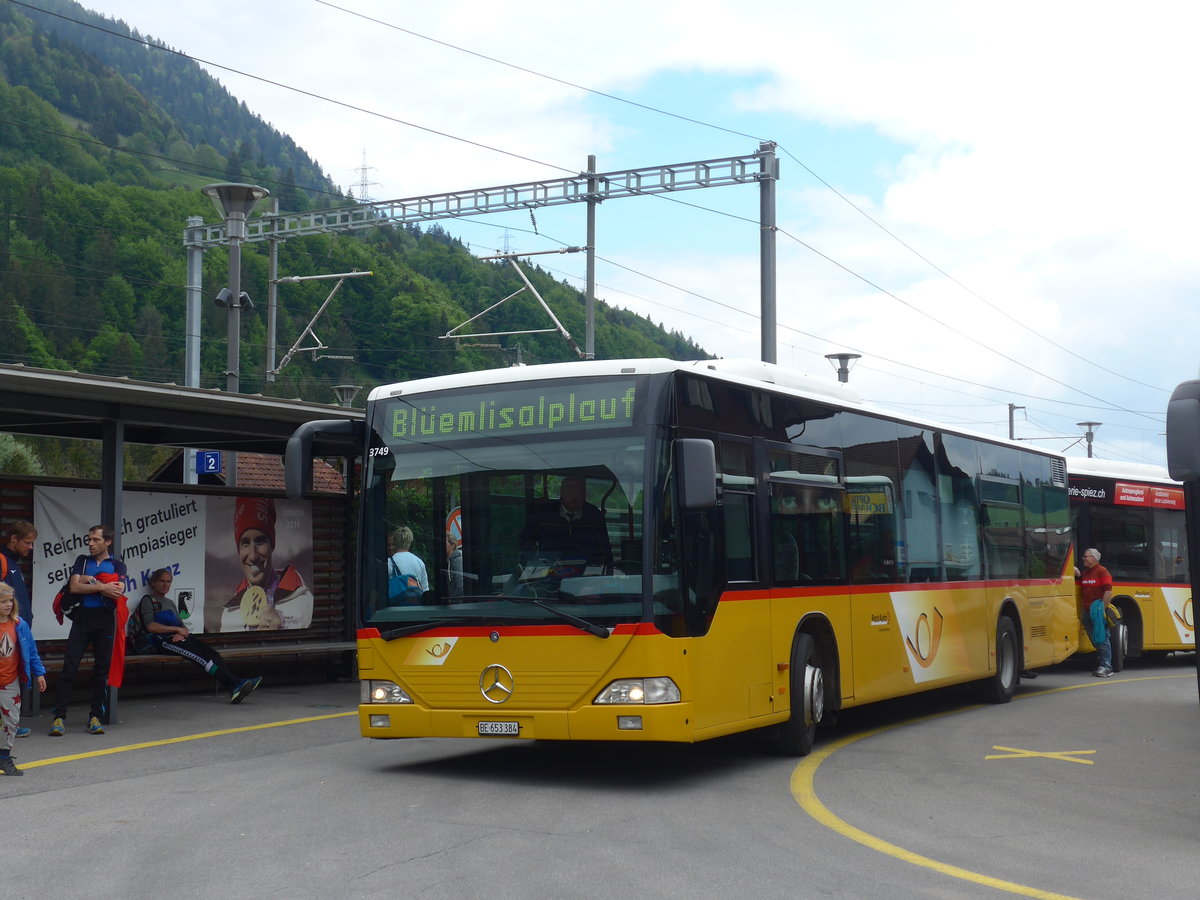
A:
(841, 362)
(1089, 433)
(345, 393)
(234, 203)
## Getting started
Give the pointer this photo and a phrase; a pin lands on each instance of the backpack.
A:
(140, 641)
(65, 604)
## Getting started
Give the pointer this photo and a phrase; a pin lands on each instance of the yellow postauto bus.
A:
(647, 550)
(1134, 515)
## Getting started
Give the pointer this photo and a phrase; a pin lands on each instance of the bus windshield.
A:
(544, 525)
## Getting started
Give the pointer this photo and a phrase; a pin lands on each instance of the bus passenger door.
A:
(730, 666)
(881, 608)
(807, 555)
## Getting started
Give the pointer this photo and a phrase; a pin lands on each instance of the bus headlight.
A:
(640, 690)
(382, 692)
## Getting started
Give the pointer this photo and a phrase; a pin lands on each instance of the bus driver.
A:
(570, 530)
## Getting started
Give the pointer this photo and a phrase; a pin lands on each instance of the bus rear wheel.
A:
(1000, 686)
(797, 735)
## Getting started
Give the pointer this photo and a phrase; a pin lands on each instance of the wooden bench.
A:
(272, 649)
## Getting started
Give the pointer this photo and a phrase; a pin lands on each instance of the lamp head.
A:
(225, 299)
(234, 199)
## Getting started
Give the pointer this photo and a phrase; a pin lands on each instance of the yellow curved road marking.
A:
(182, 739)
(805, 794)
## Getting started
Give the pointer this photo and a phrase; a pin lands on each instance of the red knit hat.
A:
(254, 512)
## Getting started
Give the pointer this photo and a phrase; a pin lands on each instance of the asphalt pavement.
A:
(1079, 788)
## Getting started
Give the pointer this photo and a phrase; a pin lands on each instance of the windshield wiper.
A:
(581, 624)
(392, 633)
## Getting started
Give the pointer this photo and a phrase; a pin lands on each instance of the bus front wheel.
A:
(797, 734)
(999, 687)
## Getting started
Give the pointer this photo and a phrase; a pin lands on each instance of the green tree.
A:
(112, 352)
(116, 299)
(207, 161)
(17, 458)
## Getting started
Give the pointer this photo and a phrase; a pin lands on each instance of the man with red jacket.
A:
(97, 584)
(1096, 588)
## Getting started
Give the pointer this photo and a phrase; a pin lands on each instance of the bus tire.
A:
(797, 735)
(1118, 641)
(999, 687)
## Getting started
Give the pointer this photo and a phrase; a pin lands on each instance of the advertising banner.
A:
(238, 564)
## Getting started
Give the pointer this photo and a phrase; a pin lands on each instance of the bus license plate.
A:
(499, 728)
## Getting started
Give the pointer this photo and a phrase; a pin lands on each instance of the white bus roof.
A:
(747, 371)
(751, 373)
(1108, 468)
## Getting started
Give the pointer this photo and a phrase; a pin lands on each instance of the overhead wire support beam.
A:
(308, 329)
(590, 187)
(452, 334)
(585, 187)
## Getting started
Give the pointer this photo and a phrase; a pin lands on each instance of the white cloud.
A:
(1038, 153)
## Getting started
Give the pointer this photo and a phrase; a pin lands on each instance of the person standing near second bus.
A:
(1096, 587)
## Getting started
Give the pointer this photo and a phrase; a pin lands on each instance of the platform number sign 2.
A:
(208, 462)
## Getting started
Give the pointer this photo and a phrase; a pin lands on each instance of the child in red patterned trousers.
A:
(19, 665)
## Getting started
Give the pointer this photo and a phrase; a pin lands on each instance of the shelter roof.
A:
(73, 405)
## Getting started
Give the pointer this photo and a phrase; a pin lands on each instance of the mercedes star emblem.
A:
(496, 684)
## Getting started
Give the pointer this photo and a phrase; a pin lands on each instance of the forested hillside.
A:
(104, 145)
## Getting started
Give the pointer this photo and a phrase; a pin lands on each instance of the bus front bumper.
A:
(632, 722)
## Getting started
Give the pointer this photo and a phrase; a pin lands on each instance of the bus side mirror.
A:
(347, 436)
(1183, 432)
(696, 463)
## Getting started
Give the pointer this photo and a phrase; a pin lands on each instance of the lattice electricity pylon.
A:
(453, 334)
(308, 329)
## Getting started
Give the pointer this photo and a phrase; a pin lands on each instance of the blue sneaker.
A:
(94, 726)
(58, 729)
(244, 689)
(24, 732)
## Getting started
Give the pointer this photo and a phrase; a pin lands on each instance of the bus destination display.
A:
(545, 409)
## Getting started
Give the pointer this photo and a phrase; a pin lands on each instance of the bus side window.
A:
(737, 507)
(806, 534)
(958, 462)
(739, 537)
(1172, 546)
(1003, 540)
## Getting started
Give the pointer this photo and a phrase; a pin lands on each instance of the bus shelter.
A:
(117, 412)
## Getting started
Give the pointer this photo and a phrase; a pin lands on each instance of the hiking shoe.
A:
(244, 689)
(58, 729)
(24, 732)
(94, 726)
(1103, 672)
(8, 767)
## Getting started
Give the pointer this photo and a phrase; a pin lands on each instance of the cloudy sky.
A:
(991, 203)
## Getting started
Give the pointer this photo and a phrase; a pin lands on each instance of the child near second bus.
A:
(19, 664)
